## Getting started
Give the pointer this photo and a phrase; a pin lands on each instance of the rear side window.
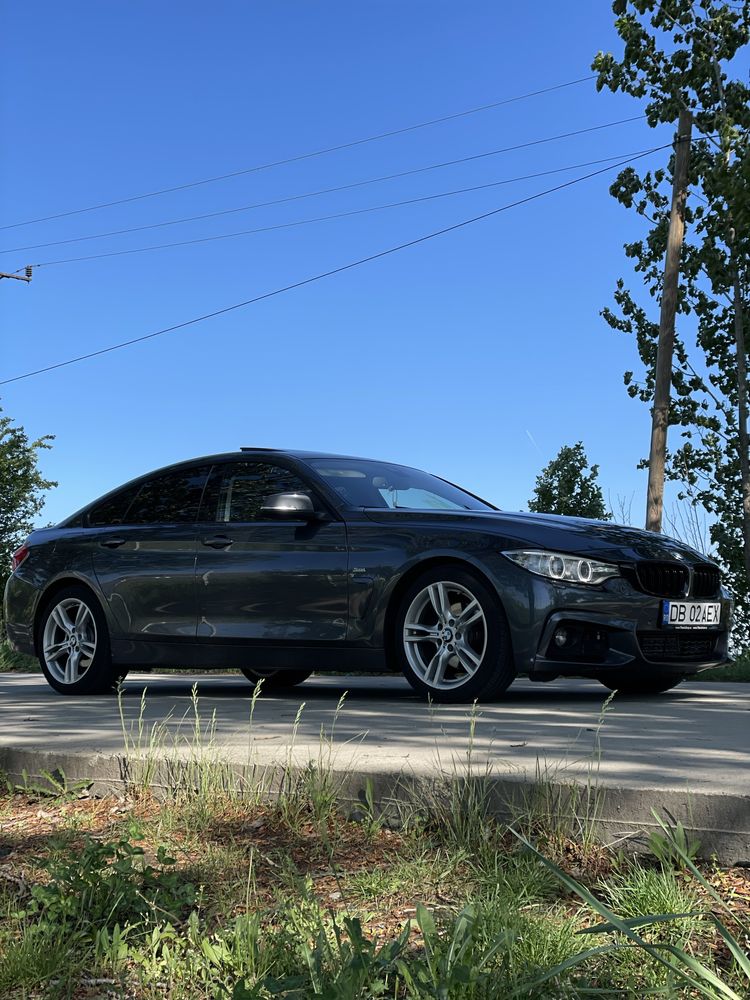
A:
(173, 498)
(239, 489)
(113, 509)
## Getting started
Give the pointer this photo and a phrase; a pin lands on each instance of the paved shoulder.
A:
(691, 742)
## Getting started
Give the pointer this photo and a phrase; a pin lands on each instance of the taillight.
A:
(18, 556)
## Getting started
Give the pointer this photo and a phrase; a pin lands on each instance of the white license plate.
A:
(691, 614)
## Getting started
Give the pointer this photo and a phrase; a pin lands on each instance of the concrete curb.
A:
(617, 815)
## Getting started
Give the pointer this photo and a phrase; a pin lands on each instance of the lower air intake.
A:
(663, 646)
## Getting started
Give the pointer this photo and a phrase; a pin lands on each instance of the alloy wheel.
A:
(69, 640)
(445, 635)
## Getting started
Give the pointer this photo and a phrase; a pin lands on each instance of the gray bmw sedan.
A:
(284, 562)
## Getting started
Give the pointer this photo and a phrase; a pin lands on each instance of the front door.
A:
(263, 579)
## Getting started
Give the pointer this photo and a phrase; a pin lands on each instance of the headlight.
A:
(558, 566)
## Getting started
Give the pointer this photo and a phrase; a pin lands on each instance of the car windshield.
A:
(376, 484)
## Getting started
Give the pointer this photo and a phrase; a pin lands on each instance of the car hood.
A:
(575, 535)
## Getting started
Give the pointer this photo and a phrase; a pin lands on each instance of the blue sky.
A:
(475, 356)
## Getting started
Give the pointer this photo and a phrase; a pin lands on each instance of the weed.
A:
(681, 964)
(340, 963)
(11, 661)
(187, 963)
(737, 672)
(408, 878)
(451, 962)
(367, 813)
(639, 890)
(314, 790)
(673, 843)
(142, 747)
(561, 809)
(461, 815)
(518, 877)
(106, 883)
(54, 785)
(36, 955)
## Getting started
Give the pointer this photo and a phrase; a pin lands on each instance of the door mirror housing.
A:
(290, 507)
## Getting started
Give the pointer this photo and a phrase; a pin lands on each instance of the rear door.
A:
(144, 545)
(265, 579)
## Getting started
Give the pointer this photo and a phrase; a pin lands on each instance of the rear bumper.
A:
(19, 608)
(19, 640)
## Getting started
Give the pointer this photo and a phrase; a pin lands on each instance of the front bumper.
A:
(613, 644)
(618, 626)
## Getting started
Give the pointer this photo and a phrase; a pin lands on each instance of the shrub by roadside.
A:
(11, 662)
(739, 671)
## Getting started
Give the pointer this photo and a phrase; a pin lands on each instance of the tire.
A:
(444, 662)
(73, 644)
(276, 680)
(633, 682)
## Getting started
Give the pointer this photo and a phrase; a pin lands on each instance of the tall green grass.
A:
(11, 662)
(737, 672)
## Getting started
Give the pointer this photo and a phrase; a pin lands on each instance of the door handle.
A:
(217, 541)
(112, 543)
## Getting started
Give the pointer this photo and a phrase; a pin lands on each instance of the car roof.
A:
(300, 454)
(297, 453)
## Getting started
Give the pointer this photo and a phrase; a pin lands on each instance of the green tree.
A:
(22, 488)
(567, 486)
(682, 54)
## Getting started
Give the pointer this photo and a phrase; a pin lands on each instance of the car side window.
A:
(172, 498)
(238, 490)
(415, 499)
(113, 509)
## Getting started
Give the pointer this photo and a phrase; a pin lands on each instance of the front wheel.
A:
(452, 639)
(276, 680)
(73, 644)
(633, 682)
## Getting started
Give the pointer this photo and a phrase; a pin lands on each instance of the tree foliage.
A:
(22, 488)
(679, 54)
(567, 486)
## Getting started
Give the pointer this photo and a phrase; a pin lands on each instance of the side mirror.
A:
(289, 507)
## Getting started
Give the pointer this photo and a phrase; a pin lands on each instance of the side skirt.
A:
(208, 654)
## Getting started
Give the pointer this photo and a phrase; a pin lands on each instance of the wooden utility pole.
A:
(665, 349)
(26, 276)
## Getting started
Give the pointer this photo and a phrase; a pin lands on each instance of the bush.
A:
(107, 883)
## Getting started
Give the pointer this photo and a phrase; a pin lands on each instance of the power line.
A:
(304, 156)
(322, 191)
(343, 215)
(324, 274)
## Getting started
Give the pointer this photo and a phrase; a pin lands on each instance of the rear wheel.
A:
(452, 639)
(635, 682)
(73, 644)
(276, 680)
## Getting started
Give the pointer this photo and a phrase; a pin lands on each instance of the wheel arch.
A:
(56, 587)
(414, 572)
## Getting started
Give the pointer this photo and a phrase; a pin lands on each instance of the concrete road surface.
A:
(688, 750)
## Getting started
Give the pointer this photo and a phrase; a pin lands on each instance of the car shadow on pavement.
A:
(328, 689)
